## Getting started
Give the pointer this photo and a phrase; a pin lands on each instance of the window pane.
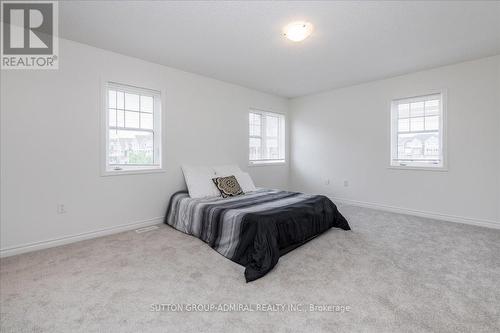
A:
(417, 142)
(422, 146)
(417, 109)
(255, 149)
(112, 99)
(131, 102)
(272, 126)
(130, 147)
(272, 149)
(146, 104)
(120, 118)
(432, 108)
(267, 132)
(131, 119)
(417, 124)
(404, 110)
(120, 100)
(112, 117)
(432, 123)
(404, 125)
(254, 121)
(147, 120)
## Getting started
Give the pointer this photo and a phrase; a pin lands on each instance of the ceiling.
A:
(241, 42)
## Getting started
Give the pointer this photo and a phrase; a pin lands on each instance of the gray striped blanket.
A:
(254, 229)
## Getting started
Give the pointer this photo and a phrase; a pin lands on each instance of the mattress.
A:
(256, 228)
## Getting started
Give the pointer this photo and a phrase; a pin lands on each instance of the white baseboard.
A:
(6, 252)
(436, 216)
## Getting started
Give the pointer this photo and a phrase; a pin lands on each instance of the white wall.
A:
(344, 135)
(50, 144)
(47, 116)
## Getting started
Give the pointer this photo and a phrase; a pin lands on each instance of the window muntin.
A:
(417, 132)
(133, 129)
(266, 137)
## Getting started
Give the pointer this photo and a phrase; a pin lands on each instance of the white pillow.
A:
(226, 170)
(245, 181)
(199, 181)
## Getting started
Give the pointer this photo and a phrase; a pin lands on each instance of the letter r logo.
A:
(28, 28)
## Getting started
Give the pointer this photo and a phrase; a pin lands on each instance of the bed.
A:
(256, 228)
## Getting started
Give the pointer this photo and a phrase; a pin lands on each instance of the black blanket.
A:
(255, 229)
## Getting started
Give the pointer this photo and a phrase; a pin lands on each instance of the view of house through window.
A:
(266, 137)
(133, 128)
(417, 132)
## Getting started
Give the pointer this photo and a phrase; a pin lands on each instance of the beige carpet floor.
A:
(397, 273)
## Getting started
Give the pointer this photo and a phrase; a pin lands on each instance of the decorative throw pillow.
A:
(228, 186)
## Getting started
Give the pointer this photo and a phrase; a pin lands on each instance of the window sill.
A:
(137, 171)
(266, 163)
(418, 168)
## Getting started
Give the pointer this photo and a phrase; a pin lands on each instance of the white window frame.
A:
(281, 137)
(394, 163)
(108, 169)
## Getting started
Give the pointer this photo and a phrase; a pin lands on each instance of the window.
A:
(133, 129)
(266, 137)
(417, 132)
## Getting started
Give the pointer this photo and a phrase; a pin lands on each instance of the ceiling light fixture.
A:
(298, 31)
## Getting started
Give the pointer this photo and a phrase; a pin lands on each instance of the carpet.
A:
(391, 273)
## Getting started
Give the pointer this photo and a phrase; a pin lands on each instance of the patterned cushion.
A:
(228, 186)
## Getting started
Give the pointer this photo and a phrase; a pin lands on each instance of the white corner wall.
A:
(50, 146)
(344, 135)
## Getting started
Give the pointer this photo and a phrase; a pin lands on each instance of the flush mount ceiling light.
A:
(298, 31)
